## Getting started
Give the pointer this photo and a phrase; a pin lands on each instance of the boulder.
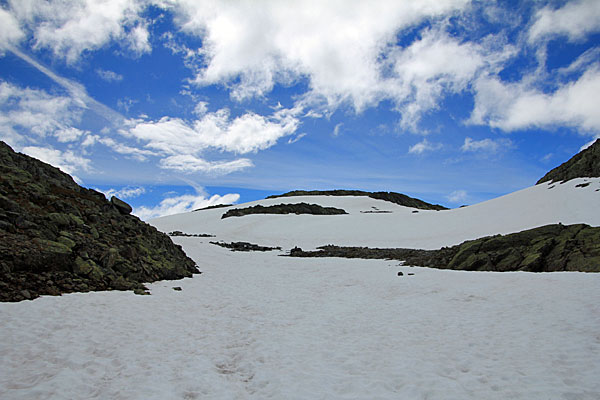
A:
(120, 205)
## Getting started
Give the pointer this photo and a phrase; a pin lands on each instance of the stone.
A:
(120, 205)
(66, 241)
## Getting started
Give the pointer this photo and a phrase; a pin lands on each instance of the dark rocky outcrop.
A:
(298, 208)
(392, 197)
(57, 237)
(183, 234)
(244, 246)
(585, 164)
(548, 248)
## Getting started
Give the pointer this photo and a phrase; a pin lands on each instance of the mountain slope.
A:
(377, 223)
(57, 237)
(584, 164)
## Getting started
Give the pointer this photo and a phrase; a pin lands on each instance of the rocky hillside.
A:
(585, 164)
(299, 208)
(392, 197)
(548, 248)
(57, 237)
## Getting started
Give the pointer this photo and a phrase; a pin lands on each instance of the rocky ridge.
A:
(393, 197)
(298, 208)
(58, 237)
(585, 164)
(548, 248)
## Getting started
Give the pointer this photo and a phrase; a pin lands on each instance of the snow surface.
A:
(261, 326)
(529, 208)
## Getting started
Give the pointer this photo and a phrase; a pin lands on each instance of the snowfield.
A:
(528, 208)
(262, 326)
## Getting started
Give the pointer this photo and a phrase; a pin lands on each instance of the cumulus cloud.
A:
(243, 134)
(485, 145)
(434, 66)
(512, 106)
(69, 29)
(337, 46)
(424, 146)
(458, 196)
(184, 203)
(575, 20)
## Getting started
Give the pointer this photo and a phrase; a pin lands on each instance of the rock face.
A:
(585, 164)
(57, 237)
(548, 248)
(392, 197)
(299, 208)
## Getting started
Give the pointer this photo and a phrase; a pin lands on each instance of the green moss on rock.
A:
(57, 237)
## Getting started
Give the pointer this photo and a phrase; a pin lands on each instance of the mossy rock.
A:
(50, 246)
(57, 229)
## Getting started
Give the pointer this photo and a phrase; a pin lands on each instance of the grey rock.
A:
(120, 205)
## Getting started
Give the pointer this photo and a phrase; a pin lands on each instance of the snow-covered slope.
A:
(260, 326)
(400, 227)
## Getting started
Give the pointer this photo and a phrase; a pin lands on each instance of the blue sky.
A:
(175, 105)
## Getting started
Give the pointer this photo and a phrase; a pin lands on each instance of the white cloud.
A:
(27, 114)
(127, 192)
(295, 139)
(576, 20)
(201, 108)
(246, 133)
(126, 103)
(485, 145)
(458, 196)
(512, 106)
(434, 66)
(190, 163)
(70, 134)
(122, 148)
(67, 161)
(185, 203)
(337, 129)
(77, 91)
(70, 28)
(109, 76)
(10, 32)
(424, 146)
(137, 40)
(336, 45)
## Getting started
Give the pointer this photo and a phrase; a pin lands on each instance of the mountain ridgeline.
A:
(58, 237)
(397, 198)
(585, 164)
